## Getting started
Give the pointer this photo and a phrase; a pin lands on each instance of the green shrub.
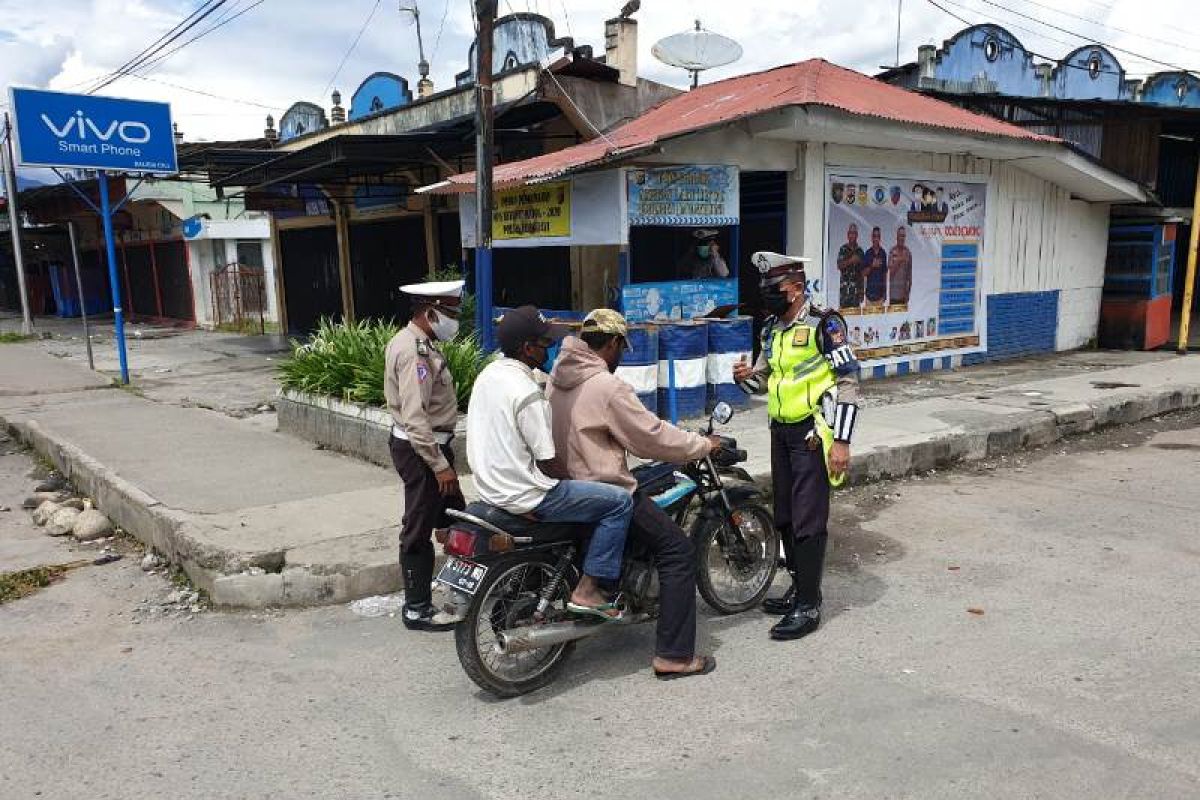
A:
(347, 361)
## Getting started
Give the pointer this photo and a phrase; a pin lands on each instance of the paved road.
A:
(1079, 680)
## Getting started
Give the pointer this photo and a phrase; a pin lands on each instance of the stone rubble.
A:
(43, 512)
(62, 522)
(92, 524)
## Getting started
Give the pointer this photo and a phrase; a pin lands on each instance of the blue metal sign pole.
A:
(111, 251)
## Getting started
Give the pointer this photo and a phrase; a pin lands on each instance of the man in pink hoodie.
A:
(597, 421)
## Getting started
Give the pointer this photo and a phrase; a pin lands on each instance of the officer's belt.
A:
(441, 437)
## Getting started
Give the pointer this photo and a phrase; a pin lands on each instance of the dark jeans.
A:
(424, 510)
(799, 481)
(675, 560)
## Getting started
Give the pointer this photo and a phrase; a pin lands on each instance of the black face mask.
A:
(776, 301)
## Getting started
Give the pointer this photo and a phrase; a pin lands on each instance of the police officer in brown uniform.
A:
(423, 404)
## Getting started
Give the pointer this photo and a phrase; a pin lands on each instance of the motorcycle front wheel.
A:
(737, 557)
(507, 598)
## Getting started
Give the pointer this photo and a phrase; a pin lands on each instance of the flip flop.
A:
(710, 664)
(597, 611)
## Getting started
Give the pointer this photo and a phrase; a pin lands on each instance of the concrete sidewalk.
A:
(259, 519)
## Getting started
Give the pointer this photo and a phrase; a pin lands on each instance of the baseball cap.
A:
(524, 324)
(605, 320)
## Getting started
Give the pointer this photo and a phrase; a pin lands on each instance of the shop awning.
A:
(342, 160)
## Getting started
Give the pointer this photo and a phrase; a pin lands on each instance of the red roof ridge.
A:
(813, 82)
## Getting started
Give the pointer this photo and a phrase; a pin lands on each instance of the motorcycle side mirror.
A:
(722, 413)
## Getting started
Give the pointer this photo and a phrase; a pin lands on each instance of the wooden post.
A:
(433, 255)
(280, 292)
(345, 272)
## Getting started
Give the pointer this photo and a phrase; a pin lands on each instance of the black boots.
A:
(418, 613)
(777, 606)
(781, 605)
(808, 563)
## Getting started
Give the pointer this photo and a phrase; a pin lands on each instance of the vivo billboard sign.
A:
(80, 131)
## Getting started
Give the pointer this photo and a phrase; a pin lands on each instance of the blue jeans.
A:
(608, 506)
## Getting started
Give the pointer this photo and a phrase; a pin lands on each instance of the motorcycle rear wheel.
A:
(732, 578)
(506, 599)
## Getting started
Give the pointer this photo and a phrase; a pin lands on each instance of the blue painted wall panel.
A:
(1019, 324)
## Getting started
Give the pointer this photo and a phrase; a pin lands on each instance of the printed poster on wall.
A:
(693, 195)
(646, 302)
(530, 212)
(903, 264)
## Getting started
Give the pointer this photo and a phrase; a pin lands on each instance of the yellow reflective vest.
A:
(800, 375)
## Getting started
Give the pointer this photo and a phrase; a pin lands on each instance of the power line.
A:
(204, 93)
(1110, 27)
(1019, 27)
(567, 17)
(158, 46)
(1085, 38)
(562, 90)
(150, 66)
(174, 32)
(350, 50)
(441, 26)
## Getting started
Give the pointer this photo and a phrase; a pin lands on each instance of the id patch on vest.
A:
(800, 337)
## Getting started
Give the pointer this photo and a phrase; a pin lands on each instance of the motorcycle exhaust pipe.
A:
(535, 637)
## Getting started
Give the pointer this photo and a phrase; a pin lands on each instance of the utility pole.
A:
(14, 221)
(485, 11)
(1189, 281)
(899, 12)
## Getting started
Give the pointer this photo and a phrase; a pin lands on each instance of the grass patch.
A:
(15, 585)
(12, 337)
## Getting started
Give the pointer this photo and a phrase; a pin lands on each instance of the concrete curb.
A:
(322, 574)
(232, 578)
(1023, 431)
(349, 428)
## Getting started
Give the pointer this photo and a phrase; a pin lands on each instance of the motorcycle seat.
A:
(523, 526)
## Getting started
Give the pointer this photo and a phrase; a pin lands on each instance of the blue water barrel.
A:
(639, 365)
(683, 346)
(729, 341)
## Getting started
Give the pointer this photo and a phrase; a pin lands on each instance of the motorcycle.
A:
(509, 578)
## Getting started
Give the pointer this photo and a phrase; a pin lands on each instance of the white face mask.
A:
(444, 328)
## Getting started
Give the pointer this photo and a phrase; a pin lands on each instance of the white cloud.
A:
(287, 50)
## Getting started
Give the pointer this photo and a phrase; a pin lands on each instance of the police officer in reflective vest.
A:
(424, 408)
(810, 375)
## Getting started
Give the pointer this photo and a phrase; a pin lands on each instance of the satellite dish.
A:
(697, 50)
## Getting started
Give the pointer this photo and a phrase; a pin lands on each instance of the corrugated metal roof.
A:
(809, 83)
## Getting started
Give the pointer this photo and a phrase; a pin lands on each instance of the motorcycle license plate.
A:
(463, 575)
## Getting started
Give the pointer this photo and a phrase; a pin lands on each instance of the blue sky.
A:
(286, 50)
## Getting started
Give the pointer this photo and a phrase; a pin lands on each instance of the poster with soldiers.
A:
(903, 262)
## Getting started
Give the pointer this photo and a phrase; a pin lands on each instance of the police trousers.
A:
(424, 510)
(799, 481)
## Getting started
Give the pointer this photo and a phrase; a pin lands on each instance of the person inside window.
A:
(703, 260)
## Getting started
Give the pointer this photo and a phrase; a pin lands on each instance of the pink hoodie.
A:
(597, 419)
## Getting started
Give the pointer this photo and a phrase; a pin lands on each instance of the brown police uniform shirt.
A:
(420, 393)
